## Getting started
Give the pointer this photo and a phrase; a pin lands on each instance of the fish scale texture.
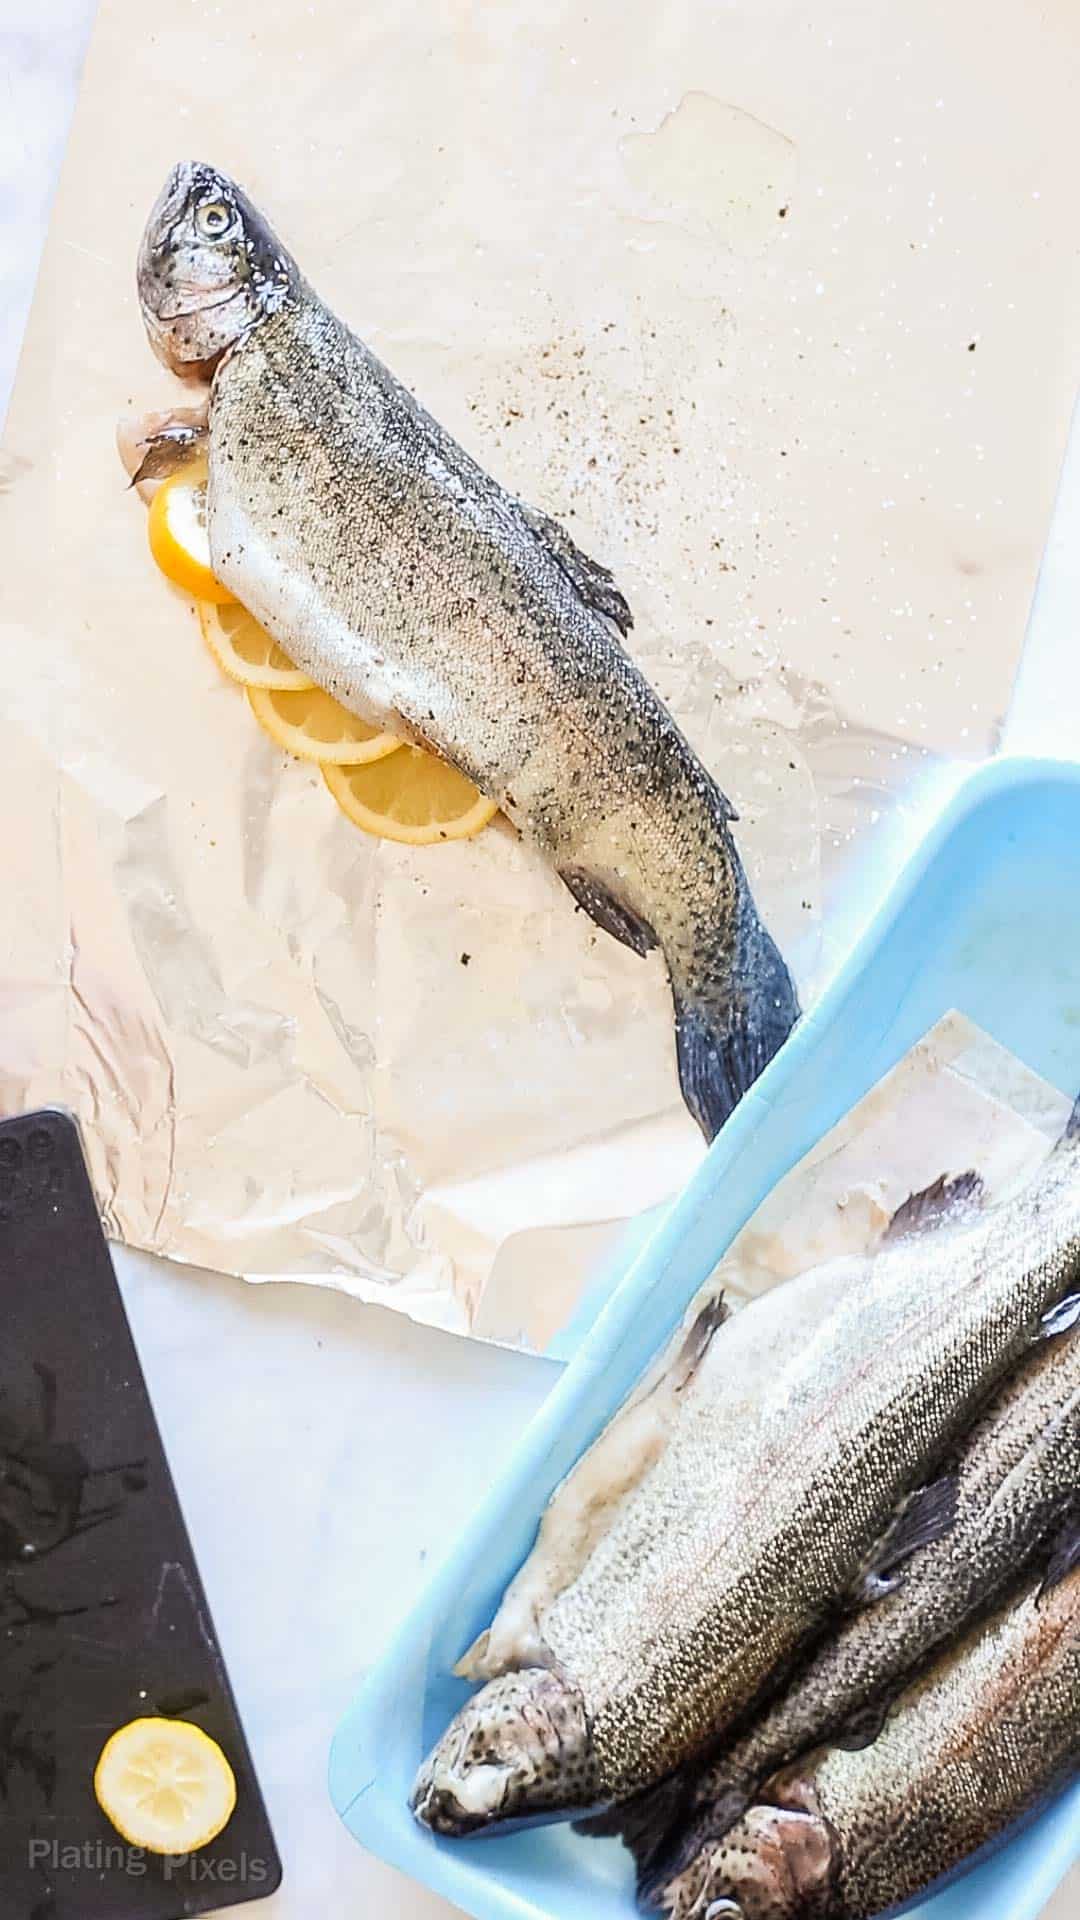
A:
(745, 1533)
(988, 1735)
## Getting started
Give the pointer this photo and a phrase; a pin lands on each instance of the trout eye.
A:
(213, 219)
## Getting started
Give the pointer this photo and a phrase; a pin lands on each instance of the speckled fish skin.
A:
(412, 586)
(685, 1612)
(734, 1551)
(974, 1747)
(1014, 1477)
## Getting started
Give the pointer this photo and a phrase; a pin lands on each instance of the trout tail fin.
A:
(724, 1042)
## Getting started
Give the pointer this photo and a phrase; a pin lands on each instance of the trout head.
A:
(776, 1863)
(519, 1750)
(209, 269)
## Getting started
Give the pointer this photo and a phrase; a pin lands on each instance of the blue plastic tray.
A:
(985, 917)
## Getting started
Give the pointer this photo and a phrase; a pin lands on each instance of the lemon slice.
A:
(412, 796)
(315, 726)
(165, 1785)
(179, 542)
(246, 652)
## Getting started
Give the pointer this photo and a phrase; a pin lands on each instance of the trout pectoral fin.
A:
(593, 583)
(1064, 1552)
(705, 1823)
(705, 1325)
(927, 1516)
(1064, 1318)
(934, 1204)
(666, 1827)
(595, 899)
(166, 452)
(862, 1729)
(644, 1823)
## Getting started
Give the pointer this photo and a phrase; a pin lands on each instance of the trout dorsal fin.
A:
(1064, 1552)
(925, 1516)
(594, 583)
(934, 1204)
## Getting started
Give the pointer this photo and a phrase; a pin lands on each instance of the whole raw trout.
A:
(413, 587)
(1001, 1500)
(974, 1747)
(736, 1548)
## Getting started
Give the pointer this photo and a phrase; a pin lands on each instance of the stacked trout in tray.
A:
(827, 1649)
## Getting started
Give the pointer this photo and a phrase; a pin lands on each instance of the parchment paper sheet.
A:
(777, 308)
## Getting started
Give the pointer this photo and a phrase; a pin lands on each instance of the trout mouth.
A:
(518, 1751)
(456, 1804)
(456, 1792)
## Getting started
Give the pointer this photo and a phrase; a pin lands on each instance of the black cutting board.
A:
(103, 1618)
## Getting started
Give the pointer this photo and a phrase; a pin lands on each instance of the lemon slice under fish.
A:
(165, 1785)
(315, 726)
(412, 797)
(391, 790)
(246, 652)
(179, 542)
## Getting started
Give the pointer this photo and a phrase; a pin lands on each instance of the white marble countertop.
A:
(325, 1453)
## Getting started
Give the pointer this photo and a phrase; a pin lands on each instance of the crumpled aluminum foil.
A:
(678, 293)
